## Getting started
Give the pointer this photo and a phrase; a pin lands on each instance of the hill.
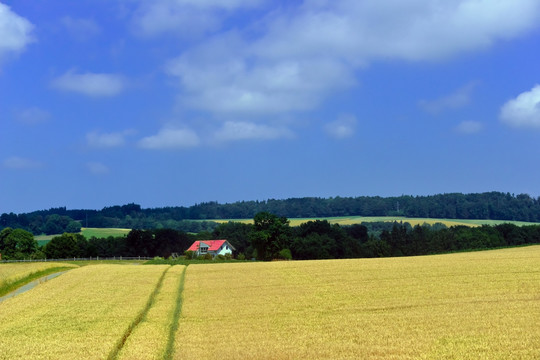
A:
(476, 206)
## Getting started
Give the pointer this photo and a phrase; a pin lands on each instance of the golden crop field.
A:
(149, 339)
(82, 314)
(11, 272)
(480, 305)
(351, 220)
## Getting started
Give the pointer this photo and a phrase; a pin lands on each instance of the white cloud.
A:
(81, 29)
(186, 18)
(469, 127)
(15, 32)
(359, 31)
(222, 77)
(171, 138)
(458, 99)
(20, 163)
(32, 116)
(90, 84)
(97, 168)
(240, 130)
(301, 53)
(343, 127)
(107, 140)
(524, 110)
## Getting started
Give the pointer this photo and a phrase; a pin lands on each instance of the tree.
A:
(170, 241)
(140, 243)
(65, 246)
(271, 235)
(17, 243)
(313, 246)
(238, 235)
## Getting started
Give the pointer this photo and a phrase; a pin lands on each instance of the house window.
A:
(203, 250)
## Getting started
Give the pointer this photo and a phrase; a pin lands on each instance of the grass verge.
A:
(7, 287)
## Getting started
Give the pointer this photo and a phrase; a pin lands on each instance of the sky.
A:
(178, 102)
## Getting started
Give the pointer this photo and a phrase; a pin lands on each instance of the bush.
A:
(241, 256)
(38, 255)
(285, 254)
(207, 256)
(190, 255)
(220, 257)
(228, 256)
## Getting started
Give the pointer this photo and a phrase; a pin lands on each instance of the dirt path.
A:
(31, 285)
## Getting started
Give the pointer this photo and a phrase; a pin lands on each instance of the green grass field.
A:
(87, 233)
(103, 233)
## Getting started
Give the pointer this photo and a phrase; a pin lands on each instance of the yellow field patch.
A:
(351, 220)
(149, 339)
(80, 315)
(481, 305)
(11, 272)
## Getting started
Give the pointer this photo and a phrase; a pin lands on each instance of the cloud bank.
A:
(299, 55)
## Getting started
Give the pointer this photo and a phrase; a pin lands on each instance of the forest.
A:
(271, 237)
(488, 205)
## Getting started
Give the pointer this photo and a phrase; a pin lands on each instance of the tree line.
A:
(271, 237)
(488, 205)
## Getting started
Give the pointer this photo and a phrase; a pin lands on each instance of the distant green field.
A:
(103, 233)
(87, 233)
(350, 220)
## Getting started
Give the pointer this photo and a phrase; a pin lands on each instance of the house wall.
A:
(224, 250)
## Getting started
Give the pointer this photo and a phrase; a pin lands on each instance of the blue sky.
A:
(176, 102)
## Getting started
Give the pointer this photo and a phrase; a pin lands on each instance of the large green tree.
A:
(17, 243)
(270, 235)
(66, 246)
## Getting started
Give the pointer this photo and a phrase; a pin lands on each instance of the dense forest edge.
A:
(488, 206)
(271, 237)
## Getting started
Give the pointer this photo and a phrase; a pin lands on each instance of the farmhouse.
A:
(212, 247)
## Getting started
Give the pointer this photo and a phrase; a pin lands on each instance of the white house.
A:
(212, 247)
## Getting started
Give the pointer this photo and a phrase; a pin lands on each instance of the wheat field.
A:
(13, 272)
(482, 305)
(479, 305)
(79, 315)
(149, 339)
(10, 272)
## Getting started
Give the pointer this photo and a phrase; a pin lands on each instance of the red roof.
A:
(213, 245)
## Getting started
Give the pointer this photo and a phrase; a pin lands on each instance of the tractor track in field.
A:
(139, 318)
(169, 350)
